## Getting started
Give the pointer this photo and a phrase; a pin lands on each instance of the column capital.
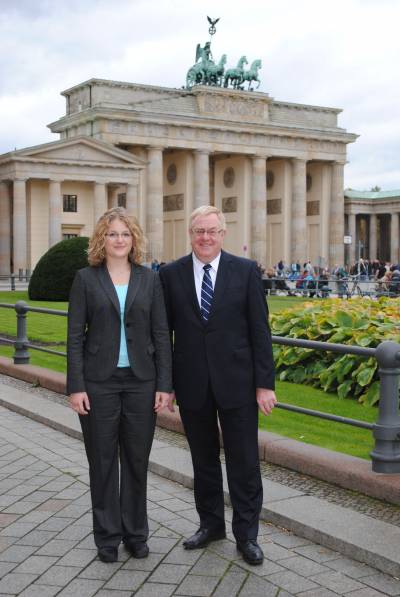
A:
(155, 147)
(56, 179)
(295, 160)
(258, 156)
(20, 179)
(202, 151)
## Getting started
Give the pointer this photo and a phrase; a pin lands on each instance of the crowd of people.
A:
(315, 279)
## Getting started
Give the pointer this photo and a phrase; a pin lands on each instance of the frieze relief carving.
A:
(157, 129)
(313, 208)
(274, 207)
(234, 107)
(119, 126)
(238, 139)
(229, 205)
(173, 202)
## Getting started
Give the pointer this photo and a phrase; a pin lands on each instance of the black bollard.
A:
(21, 354)
(386, 454)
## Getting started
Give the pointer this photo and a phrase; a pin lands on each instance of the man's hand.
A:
(161, 401)
(171, 401)
(79, 402)
(266, 400)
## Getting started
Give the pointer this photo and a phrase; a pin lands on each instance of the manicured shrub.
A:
(53, 275)
(359, 322)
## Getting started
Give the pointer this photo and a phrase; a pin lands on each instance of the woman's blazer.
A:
(94, 328)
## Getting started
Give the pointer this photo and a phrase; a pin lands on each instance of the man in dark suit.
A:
(222, 369)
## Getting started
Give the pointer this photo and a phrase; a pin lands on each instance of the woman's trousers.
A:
(118, 433)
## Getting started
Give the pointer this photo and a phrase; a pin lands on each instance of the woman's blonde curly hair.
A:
(96, 249)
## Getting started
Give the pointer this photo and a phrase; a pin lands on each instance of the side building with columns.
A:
(372, 220)
(274, 168)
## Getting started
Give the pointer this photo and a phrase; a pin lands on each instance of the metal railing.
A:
(386, 430)
(13, 280)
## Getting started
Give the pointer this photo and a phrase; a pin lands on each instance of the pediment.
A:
(81, 150)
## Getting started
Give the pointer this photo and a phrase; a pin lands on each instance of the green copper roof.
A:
(351, 194)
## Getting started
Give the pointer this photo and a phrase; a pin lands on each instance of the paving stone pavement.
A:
(46, 544)
(333, 494)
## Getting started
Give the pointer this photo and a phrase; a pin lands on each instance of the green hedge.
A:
(52, 277)
(361, 322)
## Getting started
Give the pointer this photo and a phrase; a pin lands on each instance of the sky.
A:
(342, 53)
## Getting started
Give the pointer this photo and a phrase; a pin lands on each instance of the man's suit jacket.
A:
(232, 351)
(94, 328)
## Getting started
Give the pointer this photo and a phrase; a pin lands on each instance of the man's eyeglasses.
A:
(115, 235)
(213, 232)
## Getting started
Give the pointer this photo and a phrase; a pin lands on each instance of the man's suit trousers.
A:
(239, 428)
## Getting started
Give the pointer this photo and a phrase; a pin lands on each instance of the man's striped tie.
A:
(207, 293)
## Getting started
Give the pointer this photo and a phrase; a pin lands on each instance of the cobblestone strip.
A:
(46, 544)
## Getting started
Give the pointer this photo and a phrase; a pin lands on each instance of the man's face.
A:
(206, 236)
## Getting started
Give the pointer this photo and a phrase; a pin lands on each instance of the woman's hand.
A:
(161, 401)
(79, 402)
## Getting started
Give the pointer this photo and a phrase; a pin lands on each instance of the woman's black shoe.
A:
(140, 549)
(108, 554)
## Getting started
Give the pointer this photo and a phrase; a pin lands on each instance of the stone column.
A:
(132, 200)
(55, 211)
(287, 210)
(395, 238)
(154, 215)
(324, 203)
(201, 179)
(353, 234)
(373, 222)
(19, 225)
(5, 229)
(299, 211)
(258, 234)
(113, 196)
(100, 200)
(336, 246)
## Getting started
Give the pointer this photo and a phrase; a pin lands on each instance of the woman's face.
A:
(118, 241)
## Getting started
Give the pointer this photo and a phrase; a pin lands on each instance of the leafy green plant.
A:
(360, 322)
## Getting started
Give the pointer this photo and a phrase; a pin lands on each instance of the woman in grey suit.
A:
(118, 377)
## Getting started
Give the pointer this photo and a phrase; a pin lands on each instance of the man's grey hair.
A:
(206, 210)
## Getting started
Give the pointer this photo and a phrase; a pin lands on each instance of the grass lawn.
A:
(311, 430)
(335, 436)
(45, 328)
(278, 303)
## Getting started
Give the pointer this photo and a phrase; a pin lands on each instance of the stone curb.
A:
(345, 471)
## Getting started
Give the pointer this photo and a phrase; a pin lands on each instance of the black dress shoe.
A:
(108, 554)
(203, 537)
(138, 549)
(251, 552)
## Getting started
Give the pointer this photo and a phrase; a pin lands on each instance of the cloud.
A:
(341, 53)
